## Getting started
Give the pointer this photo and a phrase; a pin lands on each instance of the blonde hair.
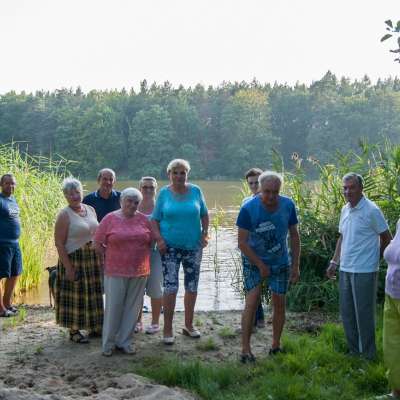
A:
(178, 162)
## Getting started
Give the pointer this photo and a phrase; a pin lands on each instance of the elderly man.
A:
(105, 199)
(10, 253)
(364, 234)
(264, 223)
(252, 181)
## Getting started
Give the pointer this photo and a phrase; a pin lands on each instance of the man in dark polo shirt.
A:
(10, 253)
(105, 199)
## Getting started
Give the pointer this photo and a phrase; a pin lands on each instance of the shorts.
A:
(154, 284)
(10, 261)
(171, 261)
(277, 281)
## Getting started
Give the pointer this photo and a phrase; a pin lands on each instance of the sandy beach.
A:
(38, 361)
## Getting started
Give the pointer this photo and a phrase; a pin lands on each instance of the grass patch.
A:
(313, 368)
(207, 345)
(12, 322)
(227, 332)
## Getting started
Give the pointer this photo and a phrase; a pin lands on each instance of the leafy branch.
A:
(394, 30)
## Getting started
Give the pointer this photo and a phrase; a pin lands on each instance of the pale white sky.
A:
(99, 44)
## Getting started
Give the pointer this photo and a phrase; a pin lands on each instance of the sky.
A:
(98, 44)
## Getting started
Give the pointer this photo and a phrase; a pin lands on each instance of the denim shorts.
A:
(10, 261)
(277, 281)
(171, 261)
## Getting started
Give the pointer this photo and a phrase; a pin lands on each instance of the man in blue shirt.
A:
(264, 223)
(10, 253)
(105, 199)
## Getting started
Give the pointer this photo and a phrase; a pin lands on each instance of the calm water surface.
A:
(220, 259)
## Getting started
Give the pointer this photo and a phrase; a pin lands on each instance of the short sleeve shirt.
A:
(127, 242)
(268, 231)
(10, 224)
(392, 256)
(180, 217)
(360, 227)
(103, 206)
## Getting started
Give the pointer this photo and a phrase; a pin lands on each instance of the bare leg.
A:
(189, 301)
(155, 311)
(252, 300)
(169, 308)
(8, 290)
(278, 318)
(2, 308)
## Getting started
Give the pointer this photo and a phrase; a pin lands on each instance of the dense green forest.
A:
(222, 130)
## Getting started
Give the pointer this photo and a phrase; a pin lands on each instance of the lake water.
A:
(218, 277)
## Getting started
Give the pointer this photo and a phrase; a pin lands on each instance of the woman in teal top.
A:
(180, 221)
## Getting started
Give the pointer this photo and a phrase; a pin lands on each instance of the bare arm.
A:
(334, 263)
(385, 238)
(60, 238)
(243, 236)
(205, 221)
(295, 250)
(161, 245)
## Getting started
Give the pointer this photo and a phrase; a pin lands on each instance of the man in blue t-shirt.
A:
(264, 223)
(10, 253)
(105, 199)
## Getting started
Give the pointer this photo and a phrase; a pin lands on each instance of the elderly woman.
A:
(391, 316)
(180, 223)
(123, 239)
(78, 299)
(154, 289)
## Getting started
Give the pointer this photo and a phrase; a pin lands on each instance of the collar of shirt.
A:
(358, 206)
(113, 194)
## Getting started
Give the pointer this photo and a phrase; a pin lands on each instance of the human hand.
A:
(161, 245)
(70, 274)
(331, 271)
(264, 271)
(204, 240)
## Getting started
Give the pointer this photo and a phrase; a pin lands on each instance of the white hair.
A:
(104, 170)
(178, 162)
(147, 178)
(267, 176)
(132, 193)
(71, 183)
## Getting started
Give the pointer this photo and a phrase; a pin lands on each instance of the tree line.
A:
(221, 130)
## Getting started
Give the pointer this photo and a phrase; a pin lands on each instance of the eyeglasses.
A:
(148, 187)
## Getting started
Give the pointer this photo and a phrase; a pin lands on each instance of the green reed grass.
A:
(38, 193)
(314, 367)
(319, 204)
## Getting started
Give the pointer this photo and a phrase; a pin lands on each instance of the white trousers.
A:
(124, 297)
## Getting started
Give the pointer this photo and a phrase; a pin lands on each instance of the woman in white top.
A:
(78, 299)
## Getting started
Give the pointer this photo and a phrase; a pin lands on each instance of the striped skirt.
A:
(79, 304)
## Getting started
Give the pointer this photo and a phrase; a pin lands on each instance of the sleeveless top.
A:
(81, 229)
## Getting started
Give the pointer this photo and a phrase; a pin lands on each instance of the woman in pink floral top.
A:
(123, 239)
(391, 316)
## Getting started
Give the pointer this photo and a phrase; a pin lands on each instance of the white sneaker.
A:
(168, 340)
(152, 329)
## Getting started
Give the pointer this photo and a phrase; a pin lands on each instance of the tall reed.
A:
(38, 193)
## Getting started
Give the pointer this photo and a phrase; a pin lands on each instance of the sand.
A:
(38, 361)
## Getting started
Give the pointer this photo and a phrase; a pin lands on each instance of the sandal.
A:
(7, 314)
(277, 350)
(77, 337)
(194, 333)
(152, 329)
(247, 358)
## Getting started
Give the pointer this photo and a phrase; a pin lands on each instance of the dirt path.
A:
(38, 361)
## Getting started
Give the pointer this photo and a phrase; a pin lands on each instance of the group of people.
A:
(130, 243)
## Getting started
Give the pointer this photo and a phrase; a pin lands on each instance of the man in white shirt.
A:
(364, 234)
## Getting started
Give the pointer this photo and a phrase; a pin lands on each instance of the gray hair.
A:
(132, 193)
(267, 176)
(353, 176)
(178, 162)
(103, 170)
(71, 183)
(147, 178)
(9, 175)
